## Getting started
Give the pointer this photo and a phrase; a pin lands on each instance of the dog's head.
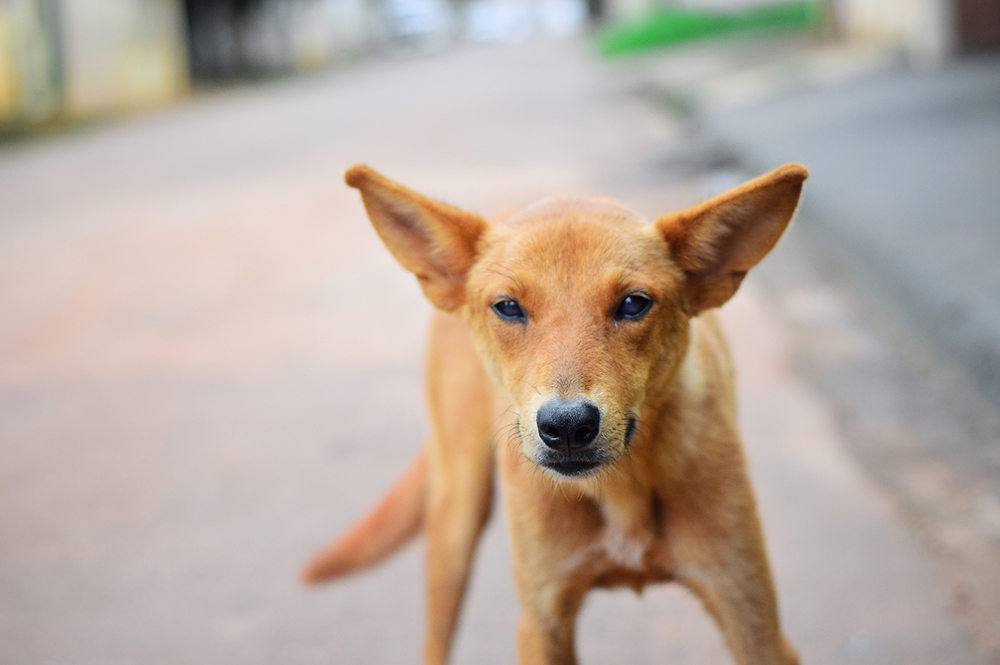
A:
(580, 308)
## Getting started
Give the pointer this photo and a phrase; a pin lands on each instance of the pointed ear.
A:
(718, 241)
(434, 241)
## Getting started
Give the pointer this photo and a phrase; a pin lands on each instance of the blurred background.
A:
(209, 365)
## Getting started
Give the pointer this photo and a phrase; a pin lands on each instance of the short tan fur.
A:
(574, 357)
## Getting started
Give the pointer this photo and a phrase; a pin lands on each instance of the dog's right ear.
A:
(718, 241)
(434, 241)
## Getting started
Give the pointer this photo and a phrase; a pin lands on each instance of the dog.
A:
(574, 354)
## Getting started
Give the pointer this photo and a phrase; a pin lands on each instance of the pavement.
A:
(209, 366)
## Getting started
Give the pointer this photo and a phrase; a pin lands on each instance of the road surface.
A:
(209, 366)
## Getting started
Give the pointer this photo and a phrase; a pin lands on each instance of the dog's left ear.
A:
(434, 241)
(718, 241)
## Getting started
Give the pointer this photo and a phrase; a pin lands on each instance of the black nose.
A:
(568, 425)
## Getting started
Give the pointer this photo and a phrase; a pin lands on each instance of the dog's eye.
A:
(632, 307)
(509, 310)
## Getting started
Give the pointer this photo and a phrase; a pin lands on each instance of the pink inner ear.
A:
(705, 290)
(434, 241)
(718, 241)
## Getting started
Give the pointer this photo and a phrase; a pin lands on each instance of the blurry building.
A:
(119, 54)
(90, 57)
(87, 57)
(934, 29)
(30, 62)
(227, 38)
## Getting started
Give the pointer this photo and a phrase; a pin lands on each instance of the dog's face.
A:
(578, 308)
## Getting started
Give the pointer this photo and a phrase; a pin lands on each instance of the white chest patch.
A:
(625, 541)
(614, 548)
(624, 551)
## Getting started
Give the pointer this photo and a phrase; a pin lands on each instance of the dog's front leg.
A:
(460, 476)
(458, 507)
(718, 552)
(551, 530)
(546, 627)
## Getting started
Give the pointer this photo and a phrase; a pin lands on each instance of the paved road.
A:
(208, 366)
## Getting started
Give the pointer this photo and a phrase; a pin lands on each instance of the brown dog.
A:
(575, 353)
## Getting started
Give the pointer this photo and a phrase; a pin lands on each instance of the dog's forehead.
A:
(562, 209)
(568, 248)
(567, 228)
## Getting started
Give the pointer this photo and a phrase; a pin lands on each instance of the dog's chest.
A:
(625, 551)
(628, 550)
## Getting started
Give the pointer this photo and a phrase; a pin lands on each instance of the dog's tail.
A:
(396, 519)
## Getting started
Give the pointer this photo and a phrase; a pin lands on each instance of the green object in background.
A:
(665, 27)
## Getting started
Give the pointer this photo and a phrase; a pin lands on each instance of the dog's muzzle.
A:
(568, 428)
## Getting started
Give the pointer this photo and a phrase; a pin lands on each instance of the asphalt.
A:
(209, 366)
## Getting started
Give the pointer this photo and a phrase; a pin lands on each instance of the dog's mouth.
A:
(571, 467)
(580, 463)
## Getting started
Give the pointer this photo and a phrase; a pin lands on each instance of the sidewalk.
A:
(202, 337)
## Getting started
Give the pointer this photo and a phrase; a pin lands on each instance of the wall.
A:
(121, 54)
(29, 60)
